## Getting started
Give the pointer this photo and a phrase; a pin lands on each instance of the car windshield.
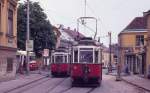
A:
(32, 58)
(86, 56)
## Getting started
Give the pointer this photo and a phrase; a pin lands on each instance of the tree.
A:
(40, 28)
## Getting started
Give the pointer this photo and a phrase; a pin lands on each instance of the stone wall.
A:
(4, 54)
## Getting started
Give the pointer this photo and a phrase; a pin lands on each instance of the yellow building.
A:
(8, 42)
(106, 56)
(132, 46)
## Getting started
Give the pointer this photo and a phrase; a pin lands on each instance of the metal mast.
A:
(28, 37)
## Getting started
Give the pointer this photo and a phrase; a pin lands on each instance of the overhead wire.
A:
(93, 13)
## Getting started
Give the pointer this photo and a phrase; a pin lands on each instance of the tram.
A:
(86, 67)
(60, 62)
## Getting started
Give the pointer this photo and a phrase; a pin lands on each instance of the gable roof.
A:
(137, 23)
(73, 33)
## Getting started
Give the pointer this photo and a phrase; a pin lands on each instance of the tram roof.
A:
(84, 46)
(61, 50)
(87, 41)
(59, 53)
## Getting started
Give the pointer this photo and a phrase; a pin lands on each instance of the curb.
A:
(136, 85)
(9, 90)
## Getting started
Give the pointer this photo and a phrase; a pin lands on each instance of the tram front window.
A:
(58, 59)
(86, 56)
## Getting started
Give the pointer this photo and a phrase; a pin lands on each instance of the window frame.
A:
(139, 40)
(10, 25)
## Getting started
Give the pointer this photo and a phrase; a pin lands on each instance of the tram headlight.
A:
(74, 67)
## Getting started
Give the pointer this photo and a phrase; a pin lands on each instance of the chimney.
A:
(68, 28)
(75, 29)
(146, 13)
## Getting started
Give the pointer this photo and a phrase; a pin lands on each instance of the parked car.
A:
(33, 65)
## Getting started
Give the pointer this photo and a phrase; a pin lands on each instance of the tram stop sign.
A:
(29, 45)
(46, 53)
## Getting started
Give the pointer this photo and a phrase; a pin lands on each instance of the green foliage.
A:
(40, 28)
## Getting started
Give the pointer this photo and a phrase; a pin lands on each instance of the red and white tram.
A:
(60, 62)
(86, 67)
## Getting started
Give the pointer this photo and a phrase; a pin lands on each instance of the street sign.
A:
(29, 45)
(46, 53)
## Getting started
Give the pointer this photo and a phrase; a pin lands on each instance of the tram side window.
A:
(52, 59)
(96, 56)
(75, 56)
(69, 59)
(65, 59)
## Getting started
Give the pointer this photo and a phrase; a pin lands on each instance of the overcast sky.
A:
(113, 15)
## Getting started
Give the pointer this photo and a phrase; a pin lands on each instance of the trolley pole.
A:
(110, 65)
(28, 37)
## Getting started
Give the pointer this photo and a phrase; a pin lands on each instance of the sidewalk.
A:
(20, 80)
(135, 80)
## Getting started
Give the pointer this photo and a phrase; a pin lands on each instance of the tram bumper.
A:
(60, 73)
(86, 79)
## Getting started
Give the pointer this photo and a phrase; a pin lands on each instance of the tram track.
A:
(50, 89)
(27, 86)
(34, 84)
(92, 89)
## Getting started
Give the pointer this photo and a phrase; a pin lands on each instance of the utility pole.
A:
(110, 65)
(85, 8)
(28, 38)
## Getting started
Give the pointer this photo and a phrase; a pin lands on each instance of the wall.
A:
(8, 49)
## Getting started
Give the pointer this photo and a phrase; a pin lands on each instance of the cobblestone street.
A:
(63, 85)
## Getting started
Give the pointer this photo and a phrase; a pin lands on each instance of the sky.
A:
(113, 15)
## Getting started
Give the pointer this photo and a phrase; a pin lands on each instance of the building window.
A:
(10, 22)
(139, 40)
(9, 64)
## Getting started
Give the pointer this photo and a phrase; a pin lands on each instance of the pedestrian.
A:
(126, 69)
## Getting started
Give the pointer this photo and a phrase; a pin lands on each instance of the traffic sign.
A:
(46, 53)
(29, 45)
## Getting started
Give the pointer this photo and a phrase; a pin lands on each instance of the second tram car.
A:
(86, 67)
(60, 62)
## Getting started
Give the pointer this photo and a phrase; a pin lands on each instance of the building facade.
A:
(106, 54)
(68, 37)
(8, 40)
(132, 43)
(148, 46)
